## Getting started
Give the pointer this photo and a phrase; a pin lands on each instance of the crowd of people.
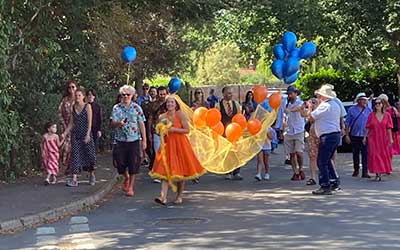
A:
(370, 126)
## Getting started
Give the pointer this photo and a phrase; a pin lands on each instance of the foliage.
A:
(347, 84)
(252, 79)
(219, 65)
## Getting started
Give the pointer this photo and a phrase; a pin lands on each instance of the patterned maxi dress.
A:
(50, 155)
(83, 156)
(65, 115)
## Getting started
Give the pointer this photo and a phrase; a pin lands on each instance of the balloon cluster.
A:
(128, 54)
(260, 95)
(287, 62)
(233, 131)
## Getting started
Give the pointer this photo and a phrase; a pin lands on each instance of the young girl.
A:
(49, 146)
(263, 156)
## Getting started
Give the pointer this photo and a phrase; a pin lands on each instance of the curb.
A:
(25, 222)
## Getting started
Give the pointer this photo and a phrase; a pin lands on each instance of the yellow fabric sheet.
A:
(215, 153)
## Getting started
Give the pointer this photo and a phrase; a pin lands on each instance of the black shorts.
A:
(127, 156)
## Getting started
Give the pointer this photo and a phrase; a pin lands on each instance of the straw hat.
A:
(361, 95)
(326, 90)
(383, 97)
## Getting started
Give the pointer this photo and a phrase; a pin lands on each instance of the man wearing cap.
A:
(355, 131)
(294, 133)
(327, 127)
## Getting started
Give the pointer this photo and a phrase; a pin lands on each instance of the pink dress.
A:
(50, 155)
(379, 157)
(395, 149)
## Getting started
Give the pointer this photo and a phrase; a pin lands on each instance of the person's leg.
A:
(355, 147)
(236, 174)
(163, 193)
(333, 175)
(364, 158)
(133, 160)
(299, 149)
(259, 168)
(179, 193)
(266, 165)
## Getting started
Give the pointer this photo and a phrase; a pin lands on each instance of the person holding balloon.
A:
(229, 108)
(294, 134)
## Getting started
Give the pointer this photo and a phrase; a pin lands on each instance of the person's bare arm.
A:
(143, 132)
(89, 117)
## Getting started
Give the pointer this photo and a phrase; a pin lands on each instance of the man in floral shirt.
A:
(128, 120)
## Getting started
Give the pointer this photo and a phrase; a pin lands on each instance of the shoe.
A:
(302, 175)
(296, 177)
(156, 181)
(177, 201)
(258, 177)
(355, 173)
(267, 177)
(125, 185)
(311, 182)
(237, 177)
(378, 177)
(365, 176)
(54, 181)
(228, 177)
(72, 183)
(322, 191)
(335, 187)
(46, 182)
(160, 201)
(130, 193)
(196, 181)
(92, 180)
(288, 162)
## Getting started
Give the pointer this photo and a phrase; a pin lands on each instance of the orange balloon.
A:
(253, 126)
(198, 122)
(274, 100)
(233, 132)
(219, 128)
(240, 119)
(200, 113)
(213, 117)
(259, 93)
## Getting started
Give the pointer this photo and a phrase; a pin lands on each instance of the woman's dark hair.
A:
(47, 125)
(66, 87)
(90, 91)
(118, 99)
(248, 96)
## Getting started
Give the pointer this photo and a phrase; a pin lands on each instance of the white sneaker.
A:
(156, 181)
(228, 177)
(266, 177)
(258, 177)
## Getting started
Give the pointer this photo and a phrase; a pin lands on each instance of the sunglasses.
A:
(198, 92)
(146, 88)
(124, 94)
(377, 103)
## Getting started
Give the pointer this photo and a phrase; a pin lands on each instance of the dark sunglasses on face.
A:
(145, 88)
(198, 93)
(377, 103)
(124, 94)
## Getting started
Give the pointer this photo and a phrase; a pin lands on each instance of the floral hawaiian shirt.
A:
(130, 131)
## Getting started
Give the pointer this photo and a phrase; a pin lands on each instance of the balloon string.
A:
(128, 74)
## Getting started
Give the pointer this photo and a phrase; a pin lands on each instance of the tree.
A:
(219, 65)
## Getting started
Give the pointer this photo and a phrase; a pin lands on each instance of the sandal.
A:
(311, 182)
(161, 202)
(177, 201)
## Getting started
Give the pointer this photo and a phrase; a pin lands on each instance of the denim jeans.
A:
(358, 147)
(327, 148)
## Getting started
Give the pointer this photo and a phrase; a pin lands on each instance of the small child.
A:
(263, 156)
(49, 146)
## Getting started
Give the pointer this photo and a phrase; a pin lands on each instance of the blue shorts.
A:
(266, 151)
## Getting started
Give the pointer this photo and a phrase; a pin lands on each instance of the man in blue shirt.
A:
(145, 97)
(212, 99)
(356, 120)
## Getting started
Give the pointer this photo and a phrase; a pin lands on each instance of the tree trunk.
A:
(139, 84)
(398, 78)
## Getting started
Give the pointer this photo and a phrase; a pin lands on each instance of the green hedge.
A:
(348, 84)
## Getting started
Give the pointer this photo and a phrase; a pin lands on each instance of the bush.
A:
(347, 84)
(253, 79)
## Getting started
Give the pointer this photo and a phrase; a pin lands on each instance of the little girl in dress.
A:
(50, 155)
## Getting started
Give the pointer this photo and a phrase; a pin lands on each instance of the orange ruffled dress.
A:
(181, 159)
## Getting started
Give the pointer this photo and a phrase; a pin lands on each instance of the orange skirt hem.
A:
(177, 177)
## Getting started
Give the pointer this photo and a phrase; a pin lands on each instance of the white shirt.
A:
(327, 118)
(343, 112)
(295, 122)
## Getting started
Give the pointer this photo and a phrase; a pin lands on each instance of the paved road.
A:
(219, 214)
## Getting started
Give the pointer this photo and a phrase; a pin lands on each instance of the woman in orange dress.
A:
(180, 162)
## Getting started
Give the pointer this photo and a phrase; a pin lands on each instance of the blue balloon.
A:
(174, 84)
(279, 52)
(308, 50)
(291, 66)
(289, 41)
(265, 105)
(291, 79)
(128, 54)
(295, 53)
(277, 68)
